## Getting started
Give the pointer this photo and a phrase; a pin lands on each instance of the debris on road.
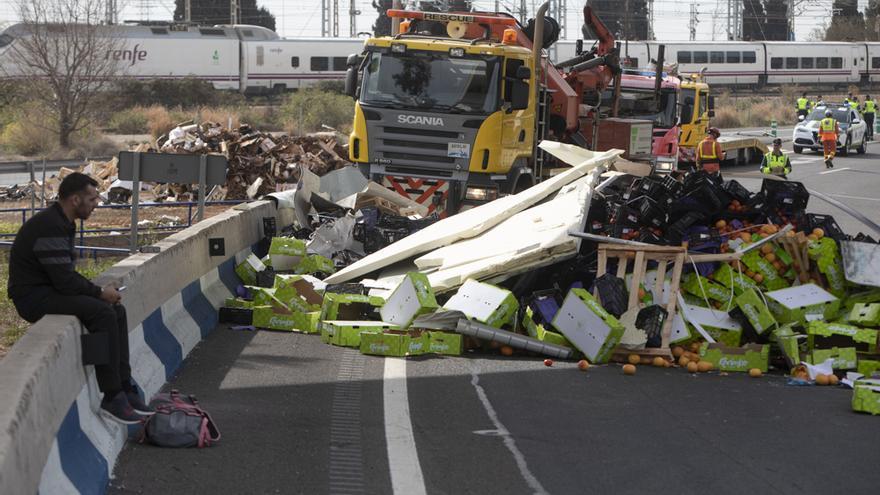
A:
(594, 264)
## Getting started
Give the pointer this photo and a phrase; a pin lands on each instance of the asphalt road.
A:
(299, 416)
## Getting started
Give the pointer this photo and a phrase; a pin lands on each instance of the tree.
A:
(212, 12)
(847, 23)
(626, 19)
(872, 21)
(64, 59)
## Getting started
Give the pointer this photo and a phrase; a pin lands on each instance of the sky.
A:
(296, 18)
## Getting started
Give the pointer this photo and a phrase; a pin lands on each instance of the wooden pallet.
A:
(641, 256)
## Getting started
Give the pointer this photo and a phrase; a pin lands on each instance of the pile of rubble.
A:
(259, 162)
(602, 263)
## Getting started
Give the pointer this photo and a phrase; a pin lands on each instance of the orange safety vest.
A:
(708, 151)
(828, 129)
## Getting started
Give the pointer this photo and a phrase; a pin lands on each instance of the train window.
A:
(320, 63)
(212, 32)
(701, 57)
(260, 56)
(159, 30)
(749, 57)
(5, 39)
(684, 57)
(294, 61)
(631, 62)
(821, 62)
(836, 63)
(247, 33)
(875, 61)
(806, 63)
(732, 57)
(776, 63)
(340, 63)
(791, 62)
(716, 57)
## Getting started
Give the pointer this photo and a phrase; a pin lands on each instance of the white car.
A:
(852, 131)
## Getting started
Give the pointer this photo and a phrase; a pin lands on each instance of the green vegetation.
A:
(307, 110)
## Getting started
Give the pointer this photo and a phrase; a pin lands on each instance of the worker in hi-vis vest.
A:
(868, 110)
(803, 106)
(828, 131)
(776, 162)
(709, 154)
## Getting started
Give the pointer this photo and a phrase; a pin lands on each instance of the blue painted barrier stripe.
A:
(162, 342)
(81, 462)
(199, 307)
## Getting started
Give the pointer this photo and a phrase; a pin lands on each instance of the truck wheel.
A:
(524, 182)
(862, 147)
(798, 149)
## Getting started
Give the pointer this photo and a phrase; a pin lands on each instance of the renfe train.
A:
(254, 59)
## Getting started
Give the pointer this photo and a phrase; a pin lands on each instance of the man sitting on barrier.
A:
(43, 280)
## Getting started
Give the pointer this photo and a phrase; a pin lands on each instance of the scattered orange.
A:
(629, 369)
(659, 362)
(583, 365)
(819, 233)
(755, 373)
(692, 367)
(634, 359)
(677, 351)
(506, 350)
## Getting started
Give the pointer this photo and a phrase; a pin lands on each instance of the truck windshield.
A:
(641, 105)
(432, 81)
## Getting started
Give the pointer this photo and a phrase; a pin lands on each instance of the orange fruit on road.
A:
(629, 369)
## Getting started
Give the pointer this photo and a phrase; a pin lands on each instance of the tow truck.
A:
(454, 121)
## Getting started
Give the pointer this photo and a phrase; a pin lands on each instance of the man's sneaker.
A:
(138, 405)
(120, 410)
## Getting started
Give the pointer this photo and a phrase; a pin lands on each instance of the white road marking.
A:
(509, 442)
(833, 171)
(403, 458)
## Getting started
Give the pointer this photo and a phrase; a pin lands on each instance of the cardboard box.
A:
(272, 318)
(758, 314)
(484, 303)
(866, 315)
(717, 324)
(681, 331)
(586, 324)
(411, 298)
(743, 358)
(825, 335)
(348, 333)
(539, 332)
(445, 343)
(866, 396)
(704, 288)
(756, 263)
(308, 322)
(297, 293)
(728, 277)
(350, 307)
(865, 297)
(802, 304)
(315, 263)
(286, 253)
(237, 302)
(247, 269)
(397, 344)
(844, 357)
(868, 367)
(263, 296)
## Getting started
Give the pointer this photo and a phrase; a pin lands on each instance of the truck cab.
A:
(447, 122)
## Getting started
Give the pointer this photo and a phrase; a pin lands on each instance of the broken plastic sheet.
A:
(470, 223)
(335, 236)
(861, 262)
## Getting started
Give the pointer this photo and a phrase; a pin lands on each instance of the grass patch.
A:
(12, 327)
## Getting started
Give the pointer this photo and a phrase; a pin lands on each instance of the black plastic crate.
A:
(785, 195)
(266, 278)
(737, 191)
(238, 316)
(652, 212)
(827, 224)
(612, 294)
(626, 215)
(346, 288)
(651, 320)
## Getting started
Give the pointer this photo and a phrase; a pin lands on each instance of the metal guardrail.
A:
(82, 231)
(24, 166)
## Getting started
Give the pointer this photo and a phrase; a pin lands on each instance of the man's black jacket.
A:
(43, 256)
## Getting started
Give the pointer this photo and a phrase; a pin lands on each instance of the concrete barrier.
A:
(53, 438)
